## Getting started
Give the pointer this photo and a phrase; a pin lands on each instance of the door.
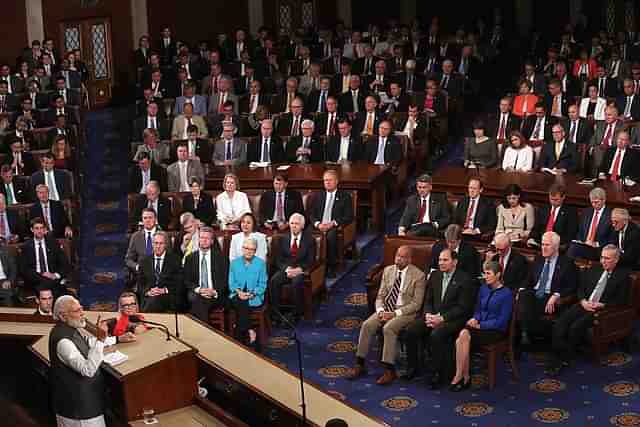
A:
(93, 38)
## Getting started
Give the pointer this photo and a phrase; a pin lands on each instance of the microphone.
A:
(137, 319)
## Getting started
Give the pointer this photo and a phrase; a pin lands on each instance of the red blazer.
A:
(591, 69)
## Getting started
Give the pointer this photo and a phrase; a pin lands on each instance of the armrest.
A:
(568, 300)
(373, 273)
(613, 320)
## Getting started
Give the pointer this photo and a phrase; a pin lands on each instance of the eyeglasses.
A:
(249, 248)
(133, 304)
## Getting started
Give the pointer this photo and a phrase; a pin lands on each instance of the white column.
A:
(256, 15)
(139, 20)
(35, 22)
(344, 12)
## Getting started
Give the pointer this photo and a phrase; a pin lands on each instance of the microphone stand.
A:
(175, 311)
(160, 325)
(292, 327)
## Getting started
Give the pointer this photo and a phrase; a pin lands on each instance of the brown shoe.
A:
(388, 377)
(356, 372)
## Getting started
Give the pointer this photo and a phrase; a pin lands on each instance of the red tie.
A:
(331, 127)
(591, 237)
(222, 96)
(501, 262)
(294, 248)
(615, 171)
(423, 210)
(607, 138)
(552, 220)
(253, 101)
(467, 222)
(502, 128)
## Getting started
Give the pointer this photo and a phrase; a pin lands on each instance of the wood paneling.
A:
(13, 30)
(119, 11)
(197, 20)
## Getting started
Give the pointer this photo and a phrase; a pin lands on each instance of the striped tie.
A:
(392, 297)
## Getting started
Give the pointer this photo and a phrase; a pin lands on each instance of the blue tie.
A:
(149, 249)
(544, 277)
(204, 273)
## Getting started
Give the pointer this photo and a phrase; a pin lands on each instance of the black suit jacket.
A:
(203, 151)
(292, 204)
(564, 279)
(485, 218)
(469, 259)
(459, 298)
(568, 157)
(285, 124)
(422, 126)
(454, 86)
(158, 173)
(218, 274)
(61, 183)
(513, 123)
(332, 148)
(360, 66)
(20, 190)
(59, 219)
(170, 275)
(313, 99)
(141, 124)
(206, 211)
(564, 109)
(16, 223)
(629, 168)
(621, 102)
(516, 271)
(30, 166)
(610, 87)
(56, 261)
(360, 122)
(305, 257)
(342, 212)
(163, 214)
(630, 257)
(566, 223)
(583, 133)
(276, 150)
(438, 211)
(345, 102)
(392, 150)
(617, 290)
(529, 124)
(316, 145)
(322, 123)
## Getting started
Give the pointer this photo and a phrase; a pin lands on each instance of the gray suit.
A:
(180, 124)
(306, 84)
(137, 249)
(238, 154)
(598, 150)
(159, 155)
(214, 100)
(194, 168)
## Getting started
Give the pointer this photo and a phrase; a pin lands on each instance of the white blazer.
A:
(598, 114)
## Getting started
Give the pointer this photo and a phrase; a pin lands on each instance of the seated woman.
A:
(248, 231)
(525, 102)
(480, 150)
(592, 108)
(128, 324)
(584, 69)
(515, 218)
(488, 325)
(62, 158)
(200, 204)
(231, 204)
(247, 286)
(518, 156)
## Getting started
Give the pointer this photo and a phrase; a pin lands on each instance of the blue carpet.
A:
(103, 217)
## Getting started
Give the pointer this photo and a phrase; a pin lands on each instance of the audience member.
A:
(425, 214)
(279, 204)
(232, 203)
(248, 230)
(52, 212)
(181, 172)
(160, 278)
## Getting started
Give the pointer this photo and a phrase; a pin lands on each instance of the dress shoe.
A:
(435, 382)
(356, 372)
(410, 374)
(387, 378)
(460, 385)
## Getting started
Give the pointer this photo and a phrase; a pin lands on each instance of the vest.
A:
(74, 396)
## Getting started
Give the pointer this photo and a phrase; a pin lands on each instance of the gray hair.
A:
(555, 238)
(453, 232)
(621, 213)
(61, 306)
(308, 122)
(252, 241)
(298, 216)
(186, 217)
(503, 237)
(612, 248)
(597, 193)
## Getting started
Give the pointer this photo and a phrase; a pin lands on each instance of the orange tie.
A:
(369, 124)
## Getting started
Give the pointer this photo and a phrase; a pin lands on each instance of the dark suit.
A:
(418, 82)
(568, 157)
(332, 148)
(316, 146)
(285, 124)
(276, 150)
(360, 122)
(583, 132)
(157, 173)
(279, 101)
(456, 307)
(292, 204)
(392, 150)
(531, 310)
(20, 190)
(572, 326)
(621, 102)
(170, 277)
(56, 263)
(61, 183)
(629, 167)
(453, 85)
(313, 100)
(164, 210)
(205, 211)
(322, 123)
(469, 259)
(16, 223)
(513, 123)
(203, 151)
(564, 104)
(516, 270)
(141, 123)
(608, 88)
(345, 101)
(218, 276)
(629, 247)
(485, 214)
(341, 214)
(566, 223)
(363, 67)
(438, 214)
(529, 125)
(282, 258)
(603, 230)
(30, 166)
(59, 219)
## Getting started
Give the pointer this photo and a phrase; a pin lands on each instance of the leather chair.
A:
(494, 351)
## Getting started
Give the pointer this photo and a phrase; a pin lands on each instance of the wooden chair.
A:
(259, 319)
(217, 319)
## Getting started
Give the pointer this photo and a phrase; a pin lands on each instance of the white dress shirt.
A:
(344, 148)
(382, 142)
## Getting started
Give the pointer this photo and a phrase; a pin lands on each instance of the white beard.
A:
(78, 324)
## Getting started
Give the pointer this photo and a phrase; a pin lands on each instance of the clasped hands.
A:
(433, 320)
(154, 292)
(209, 293)
(244, 295)
(385, 316)
(591, 305)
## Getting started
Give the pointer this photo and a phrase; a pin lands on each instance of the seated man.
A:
(469, 259)
(305, 148)
(160, 281)
(44, 299)
(43, 264)
(54, 179)
(425, 214)
(399, 298)
(595, 227)
(448, 304)
(268, 147)
(158, 151)
(555, 216)
(179, 174)
(14, 190)
(619, 161)
(626, 237)
(11, 226)
(331, 209)
(384, 148)
(229, 150)
(474, 213)
(295, 254)
(8, 273)
(514, 267)
(602, 286)
(20, 161)
(279, 204)
(144, 172)
(129, 323)
(141, 242)
(152, 199)
(52, 212)
(247, 286)
(198, 148)
(551, 277)
(205, 276)
(343, 147)
(561, 156)
(180, 126)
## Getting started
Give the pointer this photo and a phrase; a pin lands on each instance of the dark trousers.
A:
(332, 248)
(243, 311)
(569, 330)
(200, 306)
(158, 304)
(583, 251)
(279, 280)
(531, 312)
(424, 229)
(440, 340)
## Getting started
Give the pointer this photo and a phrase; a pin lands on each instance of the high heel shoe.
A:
(460, 385)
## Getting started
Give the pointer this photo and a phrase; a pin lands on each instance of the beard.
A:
(78, 324)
